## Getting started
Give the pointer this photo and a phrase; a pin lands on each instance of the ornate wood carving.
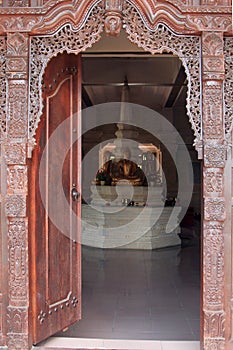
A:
(44, 48)
(214, 324)
(113, 17)
(213, 269)
(213, 181)
(213, 189)
(215, 209)
(14, 153)
(17, 179)
(77, 26)
(2, 87)
(228, 86)
(187, 48)
(18, 263)
(215, 155)
(15, 206)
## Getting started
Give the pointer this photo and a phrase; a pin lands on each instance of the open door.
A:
(55, 275)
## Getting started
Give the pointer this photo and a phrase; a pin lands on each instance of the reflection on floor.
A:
(140, 294)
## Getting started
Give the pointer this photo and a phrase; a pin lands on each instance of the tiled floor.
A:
(143, 295)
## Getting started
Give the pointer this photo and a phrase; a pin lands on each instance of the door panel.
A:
(55, 255)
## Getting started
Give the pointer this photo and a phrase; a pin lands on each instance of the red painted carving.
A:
(17, 179)
(213, 180)
(228, 86)
(15, 205)
(209, 22)
(18, 263)
(15, 153)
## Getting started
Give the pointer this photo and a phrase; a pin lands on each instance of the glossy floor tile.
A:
(144, 295)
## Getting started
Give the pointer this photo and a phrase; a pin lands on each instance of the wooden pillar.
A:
(14, 148)
(213, 275)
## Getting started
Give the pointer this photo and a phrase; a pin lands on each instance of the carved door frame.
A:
(29, 38)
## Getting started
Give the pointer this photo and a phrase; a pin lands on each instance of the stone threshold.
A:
(62, 343)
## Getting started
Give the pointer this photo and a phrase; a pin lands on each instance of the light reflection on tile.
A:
(148, 295)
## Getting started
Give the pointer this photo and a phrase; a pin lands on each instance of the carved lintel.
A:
(214, 156)
(213, 22)
(113, 17)
(15, 205)
(16, 3)
(215, 209)
(14, 153)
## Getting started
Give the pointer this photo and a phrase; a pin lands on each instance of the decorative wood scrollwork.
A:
(44, 48)
(187, 48)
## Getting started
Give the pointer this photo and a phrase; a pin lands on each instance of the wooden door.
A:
(55, 275)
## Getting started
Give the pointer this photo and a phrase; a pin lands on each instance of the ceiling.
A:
(154, 81)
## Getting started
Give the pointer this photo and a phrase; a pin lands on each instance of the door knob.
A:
(75, 194)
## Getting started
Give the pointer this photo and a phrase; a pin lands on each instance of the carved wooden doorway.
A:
(55, 245)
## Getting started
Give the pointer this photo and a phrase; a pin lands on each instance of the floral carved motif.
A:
(18, 263)
(213, 266)
(17, 319)
(164, 40)
(19, 23)
(214, 324)
(17, 106)
(15, 153)
(44, 48)
(215, 209)
(215, 156)
(228, 85)
(212, 110)
(213, 60)
(213, 180)
(209, 22)
(15, 206)
(17, 44)
(17, 179)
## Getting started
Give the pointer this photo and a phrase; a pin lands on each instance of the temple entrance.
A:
(138, 303)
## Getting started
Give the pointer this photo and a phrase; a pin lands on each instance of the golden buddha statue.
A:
(126, 169)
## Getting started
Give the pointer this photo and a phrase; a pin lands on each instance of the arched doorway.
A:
(215, 293)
